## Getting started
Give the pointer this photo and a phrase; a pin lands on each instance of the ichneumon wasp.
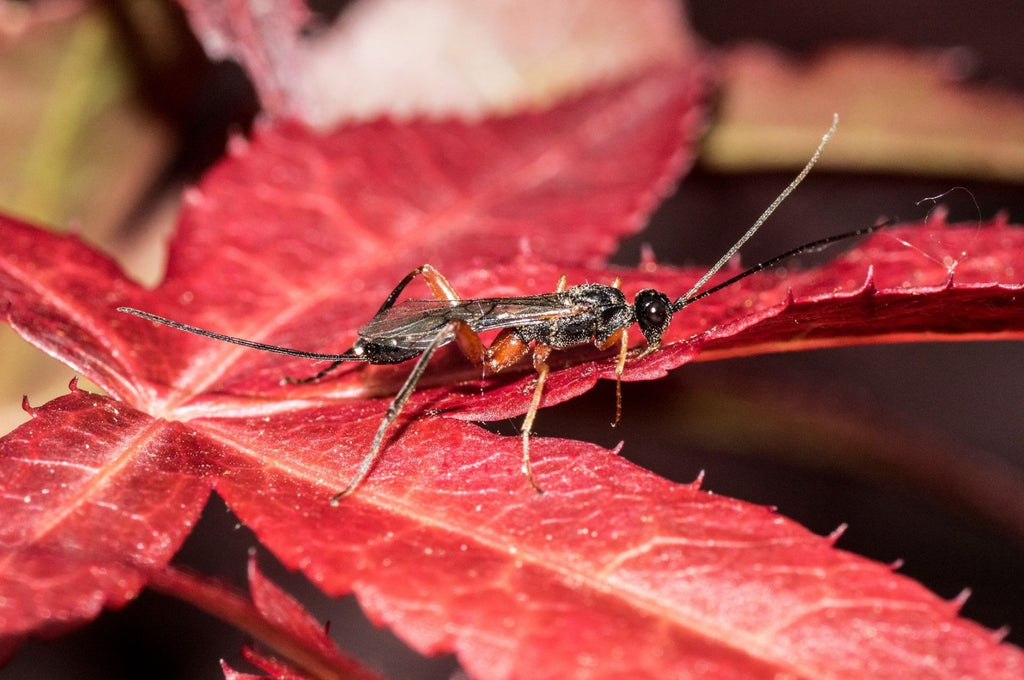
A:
(537, 324)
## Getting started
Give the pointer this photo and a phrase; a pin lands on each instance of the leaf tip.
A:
(252, 569)
(999, 634)
(837, 533)
(938, 216)
(698, 481)
(237, 145)
(228, 671)
(73, 385)
(27, 407)
(869, 287)
(648, 261)
(958, 602)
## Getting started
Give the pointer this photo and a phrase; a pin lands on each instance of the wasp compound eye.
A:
(656, 313)
(653, 313)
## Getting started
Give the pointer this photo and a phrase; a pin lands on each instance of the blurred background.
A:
(111, 109)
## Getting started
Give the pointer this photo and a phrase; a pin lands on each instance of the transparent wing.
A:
(411, 322)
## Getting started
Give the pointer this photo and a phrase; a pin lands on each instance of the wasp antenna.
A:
(240, 341)
(688, 297)
(813, 246)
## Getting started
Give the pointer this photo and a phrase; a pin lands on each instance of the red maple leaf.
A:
(271, 616)
(295, 239)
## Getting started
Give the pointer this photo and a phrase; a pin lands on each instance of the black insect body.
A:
(532, 324)
(535, 324)
(561, 319)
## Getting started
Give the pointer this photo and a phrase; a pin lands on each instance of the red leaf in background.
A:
(295, 240)
(280, 609)
(453, 58)
(271, 617)
(279, 670)
(240, 31)
(273, 668)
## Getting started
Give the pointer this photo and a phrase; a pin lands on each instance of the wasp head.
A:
(653, 312)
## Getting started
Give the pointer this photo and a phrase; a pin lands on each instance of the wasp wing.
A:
(415, 323)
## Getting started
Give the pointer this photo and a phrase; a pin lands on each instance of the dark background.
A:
(964, 395)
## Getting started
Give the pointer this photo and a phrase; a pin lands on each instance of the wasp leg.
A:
(470, 344)
(620, 366)
(507, 350)
(394, 410)
(439, 286)
(622, 338)
(540, 364)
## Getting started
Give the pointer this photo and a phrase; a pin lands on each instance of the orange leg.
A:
(620, 366)
(620, 337)
(540, 364)
(507, 349)
(623, 339)
(439, 286)
(395, 409)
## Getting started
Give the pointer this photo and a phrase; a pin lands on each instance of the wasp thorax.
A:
(597, 312)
